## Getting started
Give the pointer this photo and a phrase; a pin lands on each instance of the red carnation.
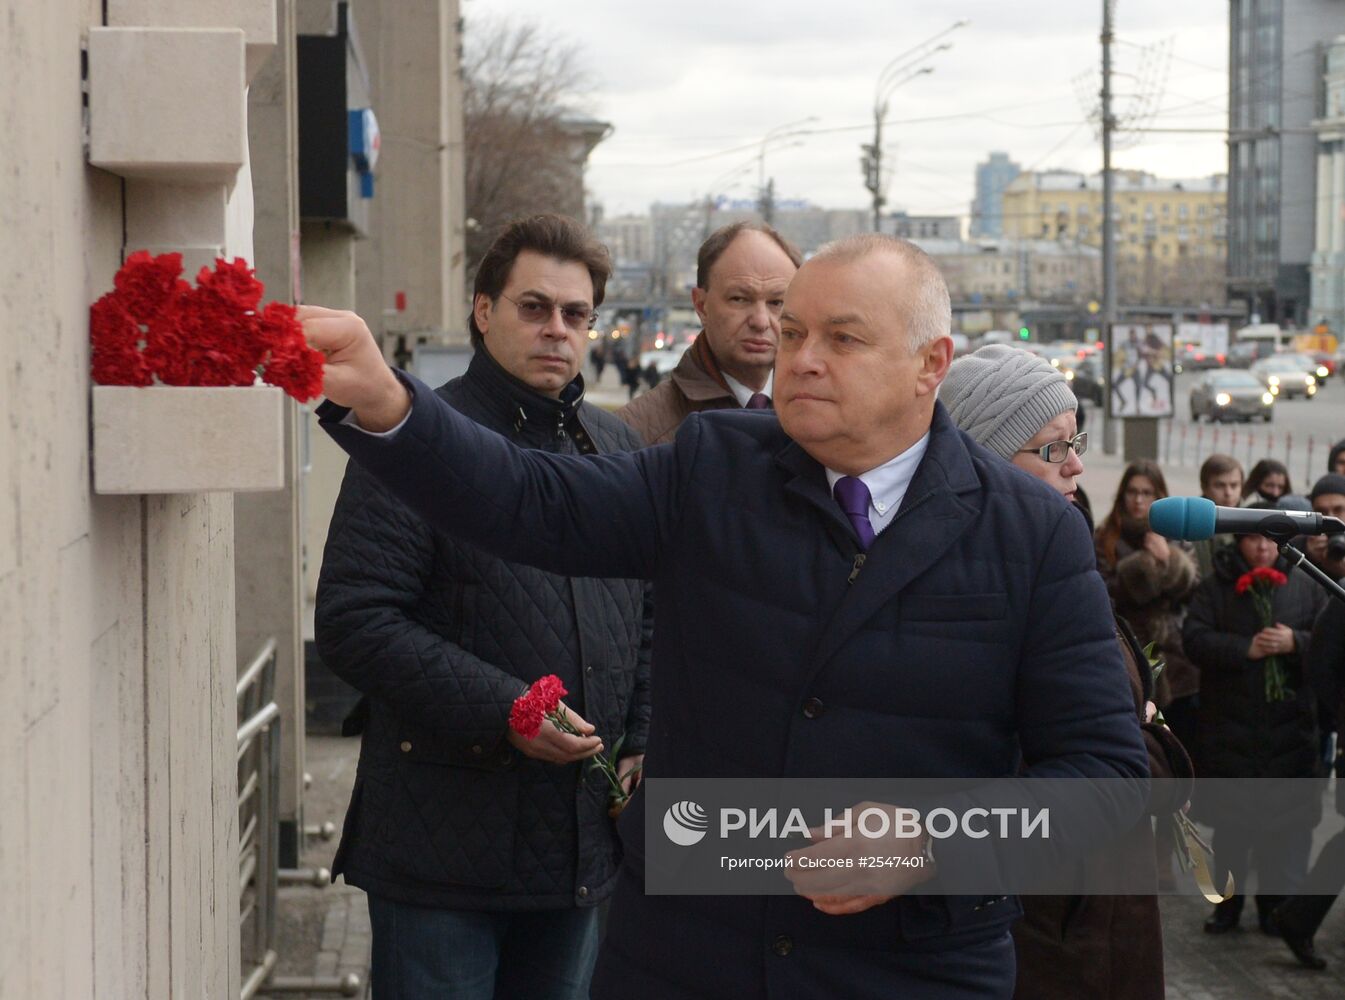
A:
(148, 286)
(232, 282)
(535, 704)
(115, 338)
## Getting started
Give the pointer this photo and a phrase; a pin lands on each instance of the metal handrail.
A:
(258, 802)
(250, 672)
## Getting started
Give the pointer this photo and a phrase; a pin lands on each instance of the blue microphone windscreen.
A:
(1186, 518)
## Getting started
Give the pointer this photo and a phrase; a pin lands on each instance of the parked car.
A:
(1085, 378)
(1285, 376)
(1193, 358)
(1231, 395)
(664, 361)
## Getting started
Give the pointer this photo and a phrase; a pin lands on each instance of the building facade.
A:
(1276, 50)
(924, 227)
(1328, 255)
(1170, 234)
(987, 209)
(125, 618)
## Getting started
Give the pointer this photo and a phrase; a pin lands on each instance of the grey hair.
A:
(931, 312)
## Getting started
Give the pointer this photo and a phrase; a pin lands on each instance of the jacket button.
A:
(782, 945)
(588, 670)
(476, 749)
(812, 708)
(583, 892)
(406, 746)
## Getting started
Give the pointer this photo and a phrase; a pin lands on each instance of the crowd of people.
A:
(733, 577)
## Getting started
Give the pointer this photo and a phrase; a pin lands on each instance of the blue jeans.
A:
(427, 954)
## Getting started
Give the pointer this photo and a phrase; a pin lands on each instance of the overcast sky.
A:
(692, 86)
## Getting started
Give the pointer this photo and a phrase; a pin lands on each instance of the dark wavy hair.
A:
(1110, 532)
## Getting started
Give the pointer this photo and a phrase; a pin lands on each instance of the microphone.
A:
(1192, 518)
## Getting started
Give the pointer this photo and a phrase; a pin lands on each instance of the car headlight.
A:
(1309, 380)
(1275, 388)
(1223, 399)
(1055, 362)
(1069, 375)
(1322, 371)
(1267, 398)
(1274, 380)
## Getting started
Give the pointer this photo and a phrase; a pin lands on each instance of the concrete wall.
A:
(117, 646)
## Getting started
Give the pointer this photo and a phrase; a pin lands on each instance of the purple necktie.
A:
(854, 498)
(759, 401)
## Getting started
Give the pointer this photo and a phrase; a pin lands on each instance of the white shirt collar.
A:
(888, 483)
(741, 393)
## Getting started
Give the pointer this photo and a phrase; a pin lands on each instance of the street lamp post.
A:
(901, 70)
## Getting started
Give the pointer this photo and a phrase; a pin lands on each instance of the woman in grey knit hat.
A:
(1021, 408)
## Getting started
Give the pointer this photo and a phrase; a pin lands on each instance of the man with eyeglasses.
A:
(848, 587)
(484, 854)
(742, 271)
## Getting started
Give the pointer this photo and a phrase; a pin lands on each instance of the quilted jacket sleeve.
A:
(1205, 641)
(375, 570)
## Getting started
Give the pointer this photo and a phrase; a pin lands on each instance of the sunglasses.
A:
(1058, 451)
(541, 310)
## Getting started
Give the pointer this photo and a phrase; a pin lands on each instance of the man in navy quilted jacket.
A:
(484, 854)
(848, 586)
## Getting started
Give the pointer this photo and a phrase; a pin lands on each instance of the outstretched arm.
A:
(592, 515)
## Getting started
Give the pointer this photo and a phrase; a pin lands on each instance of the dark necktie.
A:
(854, 498)
(759, 401)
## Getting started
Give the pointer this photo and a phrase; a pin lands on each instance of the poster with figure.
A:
(1141, 371)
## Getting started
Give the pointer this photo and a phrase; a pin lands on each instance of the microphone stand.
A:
(1300, 560)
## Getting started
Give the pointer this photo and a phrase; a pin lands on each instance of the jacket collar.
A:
(513, 404)
(696, 383)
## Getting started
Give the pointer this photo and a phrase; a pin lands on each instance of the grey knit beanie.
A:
(1002, 396)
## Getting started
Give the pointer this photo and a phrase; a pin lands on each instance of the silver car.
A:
(1229, 394)
(1285, 376)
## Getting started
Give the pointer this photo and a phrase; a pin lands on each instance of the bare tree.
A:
(519, 159)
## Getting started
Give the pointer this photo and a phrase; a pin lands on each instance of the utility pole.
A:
(873, 170)
(1108, 230)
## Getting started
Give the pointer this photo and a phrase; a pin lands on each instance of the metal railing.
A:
(259, 874)
(258, 829)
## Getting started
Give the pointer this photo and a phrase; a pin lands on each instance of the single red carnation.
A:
(525, 716)
(148, 286)
(1270, 577)
(296, 368)
(548, 691)
(1244, 583)
(232, 282)
(278, 324)
(115, 339)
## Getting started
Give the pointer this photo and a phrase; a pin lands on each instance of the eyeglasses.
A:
(541, 310)
(1058, 451)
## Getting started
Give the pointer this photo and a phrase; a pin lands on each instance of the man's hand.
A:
(1272, 640)
(629, 771)
(842, 890)
(355, 375)
(556, 747)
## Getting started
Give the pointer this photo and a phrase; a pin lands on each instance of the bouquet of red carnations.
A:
(1260, 583)
(154, 325)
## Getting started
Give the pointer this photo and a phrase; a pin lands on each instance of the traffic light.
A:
(1024, 333)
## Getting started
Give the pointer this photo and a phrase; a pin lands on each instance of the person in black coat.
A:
(485, 854)
(1247, 732)
(1299, 917)
(951, 626)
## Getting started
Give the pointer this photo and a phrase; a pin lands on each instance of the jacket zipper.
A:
(859, 564)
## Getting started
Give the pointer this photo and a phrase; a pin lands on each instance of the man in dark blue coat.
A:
(848, 587)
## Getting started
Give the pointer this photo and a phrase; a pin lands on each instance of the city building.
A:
(924, 227)
(1328, 256)
(1014, 272)
(987, 209)
(1170, 234)
(629, 238)
(1275, 60)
